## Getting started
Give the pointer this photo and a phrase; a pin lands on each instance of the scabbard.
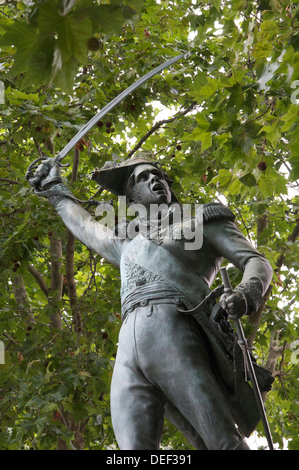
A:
(248, 364)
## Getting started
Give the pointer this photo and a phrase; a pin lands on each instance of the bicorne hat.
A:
(113, 176)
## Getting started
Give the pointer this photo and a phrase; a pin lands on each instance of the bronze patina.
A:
(177, 354)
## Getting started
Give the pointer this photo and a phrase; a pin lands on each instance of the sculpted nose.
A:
(154, 178)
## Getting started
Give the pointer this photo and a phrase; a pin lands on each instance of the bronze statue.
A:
(173, 359)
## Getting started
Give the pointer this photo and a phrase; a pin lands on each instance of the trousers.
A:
(162, 359)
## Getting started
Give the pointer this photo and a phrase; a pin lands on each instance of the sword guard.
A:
(32, 167)
(30, 177)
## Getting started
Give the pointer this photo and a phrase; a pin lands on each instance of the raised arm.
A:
(47, 182)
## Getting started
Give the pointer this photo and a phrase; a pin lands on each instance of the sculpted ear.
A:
(130, 190)
(129, 195)
(130, 201)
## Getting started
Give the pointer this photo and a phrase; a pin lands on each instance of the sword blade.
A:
(81, 133)
(254, 383)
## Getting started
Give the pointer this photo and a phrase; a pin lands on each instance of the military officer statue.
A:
(164, 364)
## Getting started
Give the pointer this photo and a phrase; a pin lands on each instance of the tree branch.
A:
(55, 293)
(262, 114)
(158, 125)
(21, 298)
(9, 181)
(291, 239)
(274, 352)
(38, 147)
(40, 280)
(255, 318)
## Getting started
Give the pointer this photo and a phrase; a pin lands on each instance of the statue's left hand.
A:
(234, 304)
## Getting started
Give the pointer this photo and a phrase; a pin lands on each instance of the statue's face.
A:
(149, 186)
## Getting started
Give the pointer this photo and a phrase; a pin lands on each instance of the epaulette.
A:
(216, 211)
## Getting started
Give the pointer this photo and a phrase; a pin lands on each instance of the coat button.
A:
(144, 303)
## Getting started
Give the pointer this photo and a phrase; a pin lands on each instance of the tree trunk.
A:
(66, 418)
(69, 259)
(55, 294)
(77, 428)
(21, 298)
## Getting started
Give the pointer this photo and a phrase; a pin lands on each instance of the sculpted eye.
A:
(158, 173)
(142, 178)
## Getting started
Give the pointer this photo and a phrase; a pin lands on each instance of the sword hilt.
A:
(30, 173)
(226, 281)
(229, 290)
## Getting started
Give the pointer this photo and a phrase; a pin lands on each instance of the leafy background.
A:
(229, 132)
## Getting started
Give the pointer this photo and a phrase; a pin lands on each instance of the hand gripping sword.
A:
(81, 133)
(248, 363)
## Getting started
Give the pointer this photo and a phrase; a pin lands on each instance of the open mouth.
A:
(158, 187)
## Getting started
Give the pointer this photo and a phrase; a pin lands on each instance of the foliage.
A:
(61, 61)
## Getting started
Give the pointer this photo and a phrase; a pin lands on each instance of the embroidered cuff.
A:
(215, 211)
(253, 293)
(56, 193)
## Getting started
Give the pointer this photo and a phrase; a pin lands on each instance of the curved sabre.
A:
(111, 105)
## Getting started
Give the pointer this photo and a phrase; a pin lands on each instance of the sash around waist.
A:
(152, 291)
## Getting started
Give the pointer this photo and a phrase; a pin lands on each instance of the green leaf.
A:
(235, 187)
(248, 180)
(217, 4)
(273, 133)
(202, 92)
(111, 18)
(266, 186)
(206, 140)
(17, 95)
(223, 178)
(290, 117)
(294, 162)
